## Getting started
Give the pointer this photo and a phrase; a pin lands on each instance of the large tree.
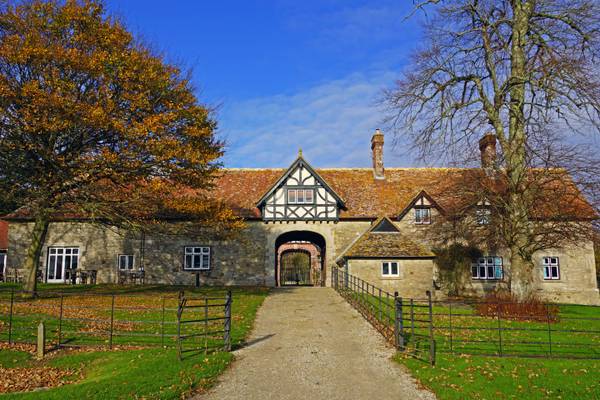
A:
(522, 69)
(95, 125)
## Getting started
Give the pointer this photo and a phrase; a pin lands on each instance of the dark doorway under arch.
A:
(301, 241)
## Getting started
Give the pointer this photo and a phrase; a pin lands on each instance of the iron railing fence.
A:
(391, 315)
(555, 331)
(102, 319)
(425, 326)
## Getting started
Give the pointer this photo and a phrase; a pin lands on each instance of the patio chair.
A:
(92, 275)
(123, 277)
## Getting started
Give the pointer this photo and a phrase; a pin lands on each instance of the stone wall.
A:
(415, 276)
(577, 283)
(250, 258)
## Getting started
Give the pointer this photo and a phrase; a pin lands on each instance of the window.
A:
(300, 196)
(488, 268)
(483, 216)
(390, 269)
(61, 260)
(197, 258)
(126, 262)
(422, 216)
(551, 268)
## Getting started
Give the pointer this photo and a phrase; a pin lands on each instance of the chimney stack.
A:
(377, 152)
(487, 147)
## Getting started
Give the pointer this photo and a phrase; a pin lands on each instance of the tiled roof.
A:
(367, 197)
(373, 244)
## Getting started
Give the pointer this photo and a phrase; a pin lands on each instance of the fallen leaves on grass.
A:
(27, 379)
(27, 348)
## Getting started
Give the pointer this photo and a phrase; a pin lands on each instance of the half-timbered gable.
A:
(300, 194)
(419, 209)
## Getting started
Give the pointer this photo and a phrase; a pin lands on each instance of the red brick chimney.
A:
(487, 147)
(377, 151)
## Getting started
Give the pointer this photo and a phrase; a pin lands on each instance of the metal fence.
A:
(203, 324)
(106, 319)
(399, 320)
(424, 327)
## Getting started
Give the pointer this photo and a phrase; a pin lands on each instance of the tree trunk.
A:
(515, 156)
(38, 237)
(521, 276)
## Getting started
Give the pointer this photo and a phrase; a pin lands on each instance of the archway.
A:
(300, 242)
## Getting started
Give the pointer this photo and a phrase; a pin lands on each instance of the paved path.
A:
(308, 343)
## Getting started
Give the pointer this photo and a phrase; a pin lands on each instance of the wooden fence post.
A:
(41, 340)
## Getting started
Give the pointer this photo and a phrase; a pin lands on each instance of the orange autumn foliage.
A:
(88, 112)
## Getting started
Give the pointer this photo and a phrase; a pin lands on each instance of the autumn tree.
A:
(525, 71)
(96, 125)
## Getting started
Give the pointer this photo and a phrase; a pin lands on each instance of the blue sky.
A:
(285, 74)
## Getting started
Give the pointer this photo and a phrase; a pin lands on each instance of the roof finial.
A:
(300, 152)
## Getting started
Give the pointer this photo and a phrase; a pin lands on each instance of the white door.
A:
(59, 260)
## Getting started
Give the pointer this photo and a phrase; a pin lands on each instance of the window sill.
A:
(390, 278)
(195, 269)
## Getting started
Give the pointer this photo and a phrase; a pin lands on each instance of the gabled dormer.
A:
(419, 210)
(300, 194)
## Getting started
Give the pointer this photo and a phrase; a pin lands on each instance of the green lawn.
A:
(480, 377)
(459, 329)
(152, 373)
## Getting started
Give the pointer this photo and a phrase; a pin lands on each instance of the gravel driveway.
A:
(308, 343)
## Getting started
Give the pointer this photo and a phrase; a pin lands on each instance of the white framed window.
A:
(423, 216)
(126, 262)
(390, 269)
(301, 196)
(551, 268)
(196, 258)
(483, 215)
(61, 261)
(487, 268)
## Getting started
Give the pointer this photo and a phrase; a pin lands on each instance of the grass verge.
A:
(150, 373)
(458, 377)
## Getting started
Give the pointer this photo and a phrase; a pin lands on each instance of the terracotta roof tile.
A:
(367, 197)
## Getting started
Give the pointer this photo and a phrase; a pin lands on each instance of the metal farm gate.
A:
(203, 323)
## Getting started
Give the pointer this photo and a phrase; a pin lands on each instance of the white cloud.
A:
(331, 122)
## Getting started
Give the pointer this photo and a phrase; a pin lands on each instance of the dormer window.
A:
(423, 216)
(300, 196)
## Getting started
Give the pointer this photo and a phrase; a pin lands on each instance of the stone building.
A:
(372, 221)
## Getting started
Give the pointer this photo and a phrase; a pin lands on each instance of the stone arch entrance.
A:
(305, 242)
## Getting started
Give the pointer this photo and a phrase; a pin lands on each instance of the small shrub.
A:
(509, 307)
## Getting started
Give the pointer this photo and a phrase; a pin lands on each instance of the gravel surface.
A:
(308, 343)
